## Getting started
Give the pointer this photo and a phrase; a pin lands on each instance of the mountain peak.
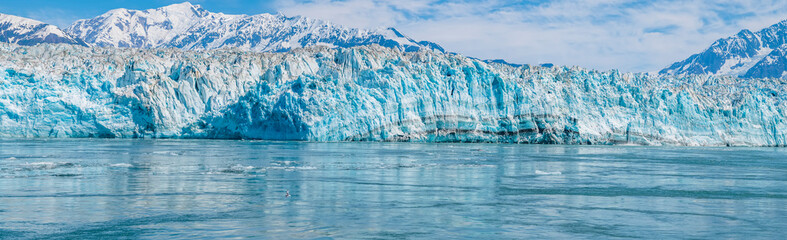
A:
(746, 54)
(6, 18)
(25, 31)
(183, 5)
(183, 8)
(191, 27)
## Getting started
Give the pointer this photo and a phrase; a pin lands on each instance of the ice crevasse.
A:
(370, 93)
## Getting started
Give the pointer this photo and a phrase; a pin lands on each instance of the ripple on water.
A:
(237, 169)
(48, 165)
(121, 165)
(291, 168)
(403, 190)
(539, 172)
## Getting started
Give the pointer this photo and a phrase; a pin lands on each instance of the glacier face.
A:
(191, 27)
(370, 93)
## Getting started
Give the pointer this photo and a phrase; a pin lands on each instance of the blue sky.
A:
(630, 35)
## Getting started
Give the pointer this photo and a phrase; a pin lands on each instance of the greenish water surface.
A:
(207, 189)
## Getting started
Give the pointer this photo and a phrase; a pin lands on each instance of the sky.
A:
(629, 35)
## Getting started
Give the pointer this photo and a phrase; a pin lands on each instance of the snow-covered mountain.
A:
(191, 27)
(748, 54)
(24, 31)
(371, 93)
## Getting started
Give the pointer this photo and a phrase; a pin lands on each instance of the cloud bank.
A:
(630, 35)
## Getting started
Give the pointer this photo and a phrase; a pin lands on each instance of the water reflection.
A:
(209, 189)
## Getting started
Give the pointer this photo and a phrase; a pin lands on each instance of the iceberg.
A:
(371, 93)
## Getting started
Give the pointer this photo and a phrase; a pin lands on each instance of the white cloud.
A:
(52, 16)
(357, 13)
(631, 35)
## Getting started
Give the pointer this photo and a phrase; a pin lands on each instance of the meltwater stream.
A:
(154, 189)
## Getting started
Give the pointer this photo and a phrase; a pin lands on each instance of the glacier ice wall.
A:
(370, 93)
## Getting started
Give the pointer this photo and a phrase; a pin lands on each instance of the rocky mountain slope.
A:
(748, 54)
(191, 27)
(24, 31)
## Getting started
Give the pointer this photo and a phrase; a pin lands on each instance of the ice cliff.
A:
(370, 93)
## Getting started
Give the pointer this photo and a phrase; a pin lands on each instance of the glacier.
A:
(370, 93)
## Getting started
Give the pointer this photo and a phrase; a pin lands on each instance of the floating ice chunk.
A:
(539, 172)
(121, 165)
(292, 168)
(238, 168)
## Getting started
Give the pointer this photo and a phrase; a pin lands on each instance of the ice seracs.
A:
(191, 27)
(371, 93)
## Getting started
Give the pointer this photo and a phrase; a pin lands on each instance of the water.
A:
(205, 189)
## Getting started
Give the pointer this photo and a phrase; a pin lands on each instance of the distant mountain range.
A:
(747, 54)
(191, 27)
(24, 31)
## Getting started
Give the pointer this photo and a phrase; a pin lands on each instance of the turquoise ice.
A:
(371, 93)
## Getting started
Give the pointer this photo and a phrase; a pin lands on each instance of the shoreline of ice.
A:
(371, 93)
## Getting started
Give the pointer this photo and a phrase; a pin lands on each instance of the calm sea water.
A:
(163, 189)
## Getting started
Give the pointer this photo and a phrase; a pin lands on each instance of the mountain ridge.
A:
(25, 31)
(746, 54)
(191, 27)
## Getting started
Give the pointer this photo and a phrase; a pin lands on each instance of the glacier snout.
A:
(370, 93)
